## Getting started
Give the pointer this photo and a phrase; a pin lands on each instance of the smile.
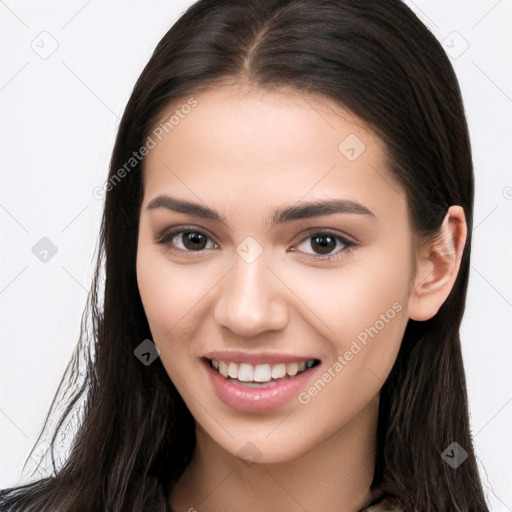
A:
(259, 387)
(270, 373)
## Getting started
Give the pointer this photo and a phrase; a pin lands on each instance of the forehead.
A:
(238, 144)
(282, 122)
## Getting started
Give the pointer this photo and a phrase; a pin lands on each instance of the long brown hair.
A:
(377, 60)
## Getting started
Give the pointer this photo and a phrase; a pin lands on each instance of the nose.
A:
(252, 300)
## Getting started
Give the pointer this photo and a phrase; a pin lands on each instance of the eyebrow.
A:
(279, 216)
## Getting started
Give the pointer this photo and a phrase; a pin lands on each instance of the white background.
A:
(59, 117)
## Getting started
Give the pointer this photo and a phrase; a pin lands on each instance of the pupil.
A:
(193, 240)
(326, 243)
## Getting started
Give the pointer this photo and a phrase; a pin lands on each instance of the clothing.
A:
(385, 505)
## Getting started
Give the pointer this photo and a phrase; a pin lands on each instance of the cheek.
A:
(175, 300)
(342, 302)
(368, 321)
(167, 291)
(363, 306)
(375, 291)
(165, 299)
(157, 297)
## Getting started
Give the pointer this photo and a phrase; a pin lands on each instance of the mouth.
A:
(267, 383)
(261, 375)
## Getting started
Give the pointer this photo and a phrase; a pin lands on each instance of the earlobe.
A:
(437, 266)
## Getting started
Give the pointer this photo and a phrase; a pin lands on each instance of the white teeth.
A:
(264, 373)
(292, 368)
(245, 372)
(223, 369)
(233, 370)
(278, 371)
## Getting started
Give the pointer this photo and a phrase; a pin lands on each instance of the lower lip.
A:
(244, 398)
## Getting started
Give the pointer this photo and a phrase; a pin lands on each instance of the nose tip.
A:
(251, 300)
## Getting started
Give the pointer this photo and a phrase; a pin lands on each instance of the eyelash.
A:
(167, 236)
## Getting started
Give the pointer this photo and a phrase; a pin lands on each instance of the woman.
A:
(287, 233)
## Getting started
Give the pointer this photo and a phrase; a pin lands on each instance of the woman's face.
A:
(279, 241)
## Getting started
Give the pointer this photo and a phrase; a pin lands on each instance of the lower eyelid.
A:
(334, 256)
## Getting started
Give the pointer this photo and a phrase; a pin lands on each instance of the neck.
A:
(335, 475)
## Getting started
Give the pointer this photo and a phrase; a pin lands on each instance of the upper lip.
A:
(237, 356)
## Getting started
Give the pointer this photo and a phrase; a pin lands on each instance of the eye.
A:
(322, 245)
(189, 240)
(326, 245)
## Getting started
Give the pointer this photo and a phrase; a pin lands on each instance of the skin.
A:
(245, 152)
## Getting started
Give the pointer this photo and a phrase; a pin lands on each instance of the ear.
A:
(437, 266)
